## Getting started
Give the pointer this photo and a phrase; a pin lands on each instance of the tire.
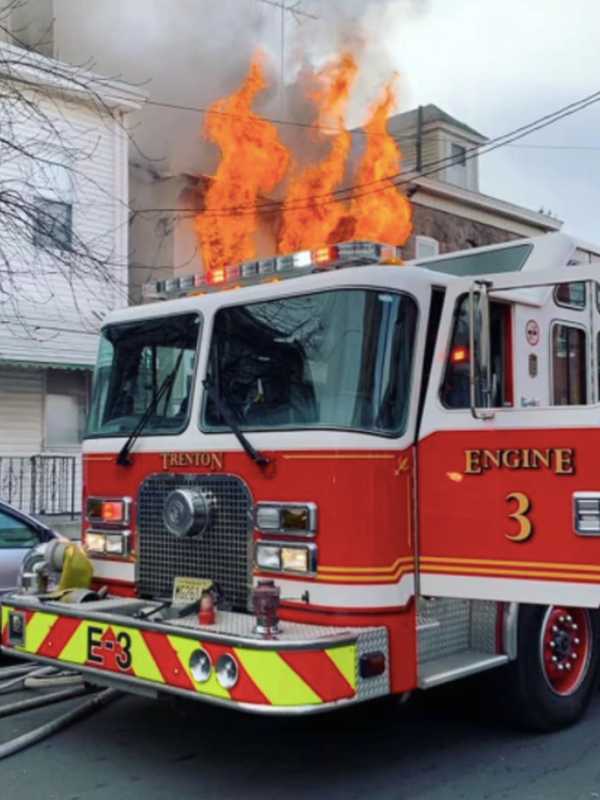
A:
(550, 684)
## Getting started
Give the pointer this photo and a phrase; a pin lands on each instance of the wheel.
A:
(551, 682)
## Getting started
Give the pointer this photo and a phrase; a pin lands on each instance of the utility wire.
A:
(397, 179)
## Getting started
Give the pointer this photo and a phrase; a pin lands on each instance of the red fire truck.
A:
(326, 477)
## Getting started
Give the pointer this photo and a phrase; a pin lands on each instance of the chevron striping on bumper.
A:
(278, 681)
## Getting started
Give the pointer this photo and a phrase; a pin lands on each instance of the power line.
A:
(274, 120)
(585, 147)
(399, 179)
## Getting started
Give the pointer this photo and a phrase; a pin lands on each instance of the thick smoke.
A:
(190, 52)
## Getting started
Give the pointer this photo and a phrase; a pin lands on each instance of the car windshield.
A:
(335, 359)
(134, 361)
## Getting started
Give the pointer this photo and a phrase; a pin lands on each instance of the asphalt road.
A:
(441, 747)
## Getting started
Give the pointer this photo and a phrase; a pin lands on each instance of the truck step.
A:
(455, 666)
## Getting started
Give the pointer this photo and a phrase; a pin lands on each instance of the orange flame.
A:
(310, 212)
(380, 211)
(253, 161)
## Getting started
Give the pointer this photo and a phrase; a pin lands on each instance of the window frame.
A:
(427, 240)
(508, 360)
(570, 306)
(45, 240)
(458, 160)
(186, 423)
(577, 326)
(398, 434)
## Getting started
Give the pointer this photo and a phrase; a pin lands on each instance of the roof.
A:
(34, 69)
(467, 198)
(431, 114)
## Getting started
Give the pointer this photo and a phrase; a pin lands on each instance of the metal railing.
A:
(42, 484)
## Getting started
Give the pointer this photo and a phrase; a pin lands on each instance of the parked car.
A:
(18, 534)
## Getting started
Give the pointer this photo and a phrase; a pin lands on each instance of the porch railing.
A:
(42, 484)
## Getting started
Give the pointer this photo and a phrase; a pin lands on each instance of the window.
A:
(141, 364)
(15, 534)
(458, 154)
(569, 384)
(52, 225)
(570, 295)
(65, 408)
(456, 387)
(334, 359)
(64, 421)
(503, 259)
(426, 247)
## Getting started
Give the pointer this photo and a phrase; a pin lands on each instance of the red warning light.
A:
(459, 354)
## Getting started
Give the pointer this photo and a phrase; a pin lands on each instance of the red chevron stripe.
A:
(167, 660)
(245, 690)
(58, 637)
(320, 673)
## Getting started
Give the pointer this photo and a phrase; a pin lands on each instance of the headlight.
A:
(113, 544)
(94, 542)
(268, 557)
(299, 519)
(285, 557)
(294, 559)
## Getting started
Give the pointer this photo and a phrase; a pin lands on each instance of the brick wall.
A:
(452, 232)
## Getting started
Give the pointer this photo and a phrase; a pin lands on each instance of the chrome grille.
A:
(222, 553)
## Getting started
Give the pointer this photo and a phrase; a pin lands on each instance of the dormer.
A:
(431, 138)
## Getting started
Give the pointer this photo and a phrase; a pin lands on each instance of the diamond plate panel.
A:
(452, 634)
(230, 623)
(222, 553)
(368, 641)
(447, 626)
(484, 615)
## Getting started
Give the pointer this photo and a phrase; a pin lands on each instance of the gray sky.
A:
(494, 64)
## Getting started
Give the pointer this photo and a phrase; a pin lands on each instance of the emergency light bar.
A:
(305, 262)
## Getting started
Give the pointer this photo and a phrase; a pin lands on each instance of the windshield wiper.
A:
(228, 417)
(123, 458)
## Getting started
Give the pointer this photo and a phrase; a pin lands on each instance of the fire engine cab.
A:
(326, 477)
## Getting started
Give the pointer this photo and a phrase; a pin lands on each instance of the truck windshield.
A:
(336, 359)
(134, 360)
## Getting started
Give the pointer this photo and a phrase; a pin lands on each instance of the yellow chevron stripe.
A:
(184, 649)
(75, 650)
(37, 630)
(4, 614)
(489, 561)
(276, 680)
(345, 660)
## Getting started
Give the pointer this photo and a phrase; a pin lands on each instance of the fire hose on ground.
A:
(30, 677)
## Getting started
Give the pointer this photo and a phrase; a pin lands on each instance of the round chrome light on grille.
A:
(187, 512)
(227, 672)
(200, 665)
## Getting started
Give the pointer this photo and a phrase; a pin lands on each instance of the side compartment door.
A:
(509, 494)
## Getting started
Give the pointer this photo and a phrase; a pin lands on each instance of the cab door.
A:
(509, 482)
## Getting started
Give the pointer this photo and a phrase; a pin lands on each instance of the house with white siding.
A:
(66, 266)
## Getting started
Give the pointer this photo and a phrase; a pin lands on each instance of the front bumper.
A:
(306, 669)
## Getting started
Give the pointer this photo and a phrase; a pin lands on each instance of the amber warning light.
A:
(459, 355)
